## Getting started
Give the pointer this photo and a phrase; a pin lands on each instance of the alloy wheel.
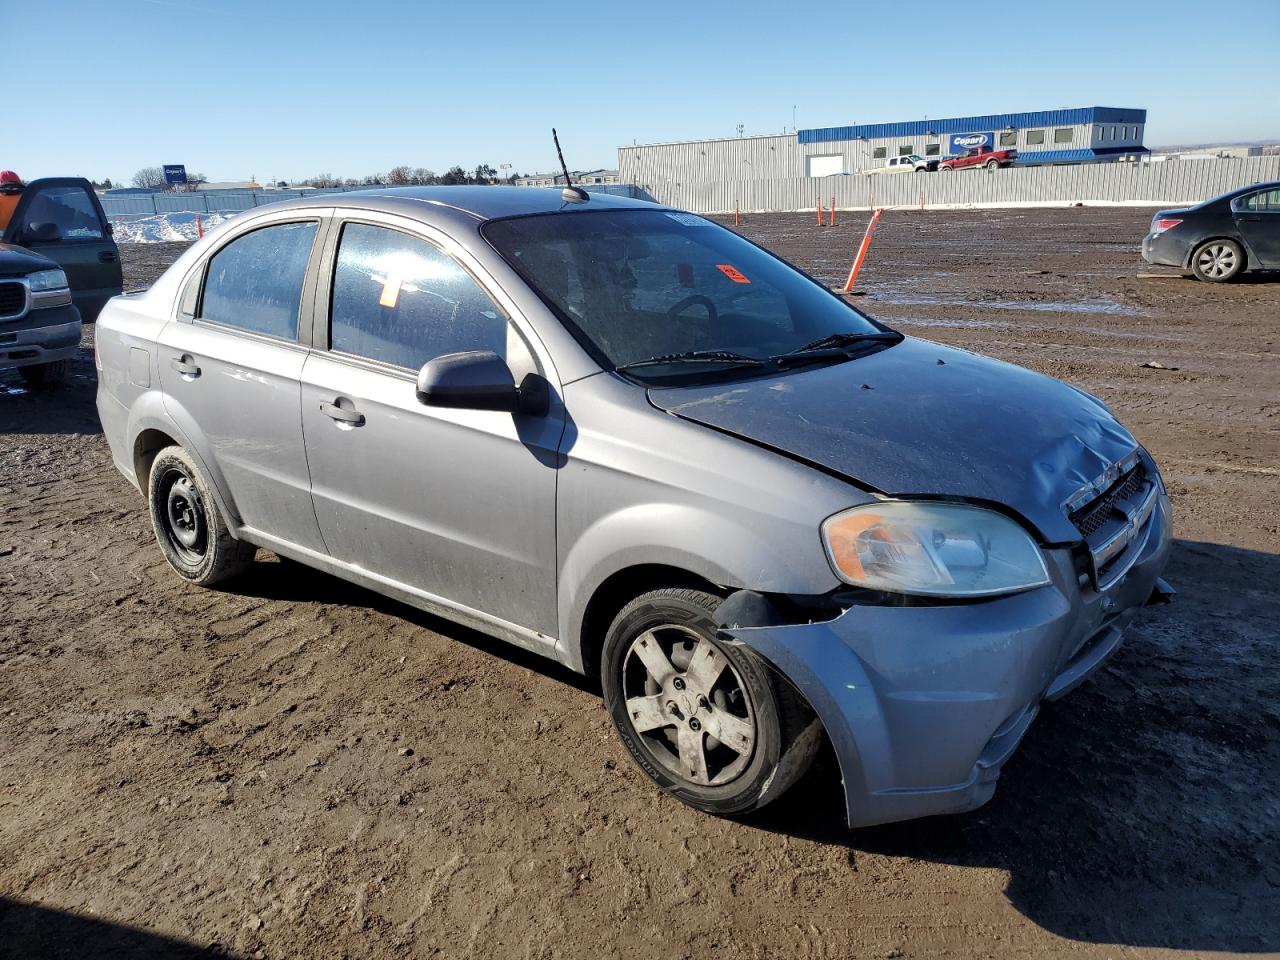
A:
(688, 705)
(1217, 260)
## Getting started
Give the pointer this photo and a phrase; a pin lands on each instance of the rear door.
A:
(62, 218)
(1257, 217)
(230, 363)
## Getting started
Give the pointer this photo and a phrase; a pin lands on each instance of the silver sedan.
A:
(626, 438)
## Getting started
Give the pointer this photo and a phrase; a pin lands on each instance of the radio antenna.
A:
(570, 193)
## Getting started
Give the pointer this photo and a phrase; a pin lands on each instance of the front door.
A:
(1257, 218)
(456, 505)
(62, 219)
(231, 372)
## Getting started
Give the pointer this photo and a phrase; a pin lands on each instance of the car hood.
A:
(17, 261)
(922, 419)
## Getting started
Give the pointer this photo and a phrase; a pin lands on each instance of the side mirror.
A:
(42, 233)
(480, 380)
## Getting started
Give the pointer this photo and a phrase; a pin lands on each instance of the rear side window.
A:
(401, 300)
(1268, 202)
(255, 282)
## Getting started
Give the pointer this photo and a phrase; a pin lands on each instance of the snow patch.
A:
(165, 227)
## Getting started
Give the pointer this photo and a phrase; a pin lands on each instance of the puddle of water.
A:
(1109, 307)
(12, 391)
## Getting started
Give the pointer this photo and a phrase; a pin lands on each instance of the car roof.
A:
(464, 203)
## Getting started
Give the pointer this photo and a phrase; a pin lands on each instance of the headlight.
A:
(934, 549)
(47, 280)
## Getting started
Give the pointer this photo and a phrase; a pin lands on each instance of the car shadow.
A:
(63, 409)
(1140, 810)
(39, 933)
(276, 578)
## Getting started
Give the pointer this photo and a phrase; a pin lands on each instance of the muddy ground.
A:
(298, 768)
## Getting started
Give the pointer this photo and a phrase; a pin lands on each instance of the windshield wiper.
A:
(696, 356)
(844, 339)
(834, 347)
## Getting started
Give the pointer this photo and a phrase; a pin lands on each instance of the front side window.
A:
(255, 282)
(66, 210)
(1063, 134)
(401, 300)
(637, 284)
(1035, 137)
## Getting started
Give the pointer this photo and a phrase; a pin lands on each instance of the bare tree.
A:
(424, 176)
(150, 178)
(400, 176)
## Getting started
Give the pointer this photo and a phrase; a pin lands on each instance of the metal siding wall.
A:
(1154, 184)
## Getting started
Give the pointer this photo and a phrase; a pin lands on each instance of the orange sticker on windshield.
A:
(732, 272)
(390, 291)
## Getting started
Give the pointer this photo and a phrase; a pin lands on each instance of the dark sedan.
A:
(1220, 238)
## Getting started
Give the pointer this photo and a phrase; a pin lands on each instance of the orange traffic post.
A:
(819, 211)
(862, 252)
(199, 226)
(831, 220)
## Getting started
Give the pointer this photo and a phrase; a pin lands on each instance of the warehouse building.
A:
(1081, 135)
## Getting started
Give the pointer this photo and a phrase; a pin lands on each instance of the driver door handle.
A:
(342, 414)
(107, 256)
(184, 366)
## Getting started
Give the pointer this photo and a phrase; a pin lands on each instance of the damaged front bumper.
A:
(924, 704)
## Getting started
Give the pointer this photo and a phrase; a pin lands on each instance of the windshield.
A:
(633, 285)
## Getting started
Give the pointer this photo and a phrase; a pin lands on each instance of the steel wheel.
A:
(186, 525)
(689, 705)
(1218, 260)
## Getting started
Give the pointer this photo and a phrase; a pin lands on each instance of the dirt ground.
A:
(298, 768)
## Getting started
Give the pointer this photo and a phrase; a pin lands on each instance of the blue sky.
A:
(288, 89)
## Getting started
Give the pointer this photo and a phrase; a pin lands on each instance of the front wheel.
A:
(1217, 260)
(188, 524)
(709, 722)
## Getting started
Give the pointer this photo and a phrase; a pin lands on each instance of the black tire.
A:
(188, 524)
(993, 164)
(784, 733)
(41, 375)
(1217, 261)
(945, 169)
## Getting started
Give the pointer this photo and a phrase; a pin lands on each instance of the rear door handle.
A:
(107, 256)
(346, 415)
(185, 366)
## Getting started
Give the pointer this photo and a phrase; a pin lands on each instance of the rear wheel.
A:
(46, 374)
(709, 722)
(993, 164)
(188, 525)
(1217, 260)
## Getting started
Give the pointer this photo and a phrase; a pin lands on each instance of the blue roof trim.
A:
(995, 121)
(1029, 158)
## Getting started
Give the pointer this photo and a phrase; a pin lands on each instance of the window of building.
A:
(906, 149)
(1035, 137)
(879, 153)
(403, 301)
(932, 149)
(255, 282)
(1062, 135)
(1009, 138)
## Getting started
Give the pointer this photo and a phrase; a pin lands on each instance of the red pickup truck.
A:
(980, 157)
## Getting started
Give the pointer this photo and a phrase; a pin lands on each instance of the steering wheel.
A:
(680, 306)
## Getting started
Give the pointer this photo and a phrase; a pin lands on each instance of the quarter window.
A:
(403, 301)
(255, 282)
(1063, 134)
(1035, 137)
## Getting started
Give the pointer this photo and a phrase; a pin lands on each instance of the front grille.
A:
(1090, 518)
(13, 297)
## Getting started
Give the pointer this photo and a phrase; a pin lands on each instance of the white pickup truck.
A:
(911, 163)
